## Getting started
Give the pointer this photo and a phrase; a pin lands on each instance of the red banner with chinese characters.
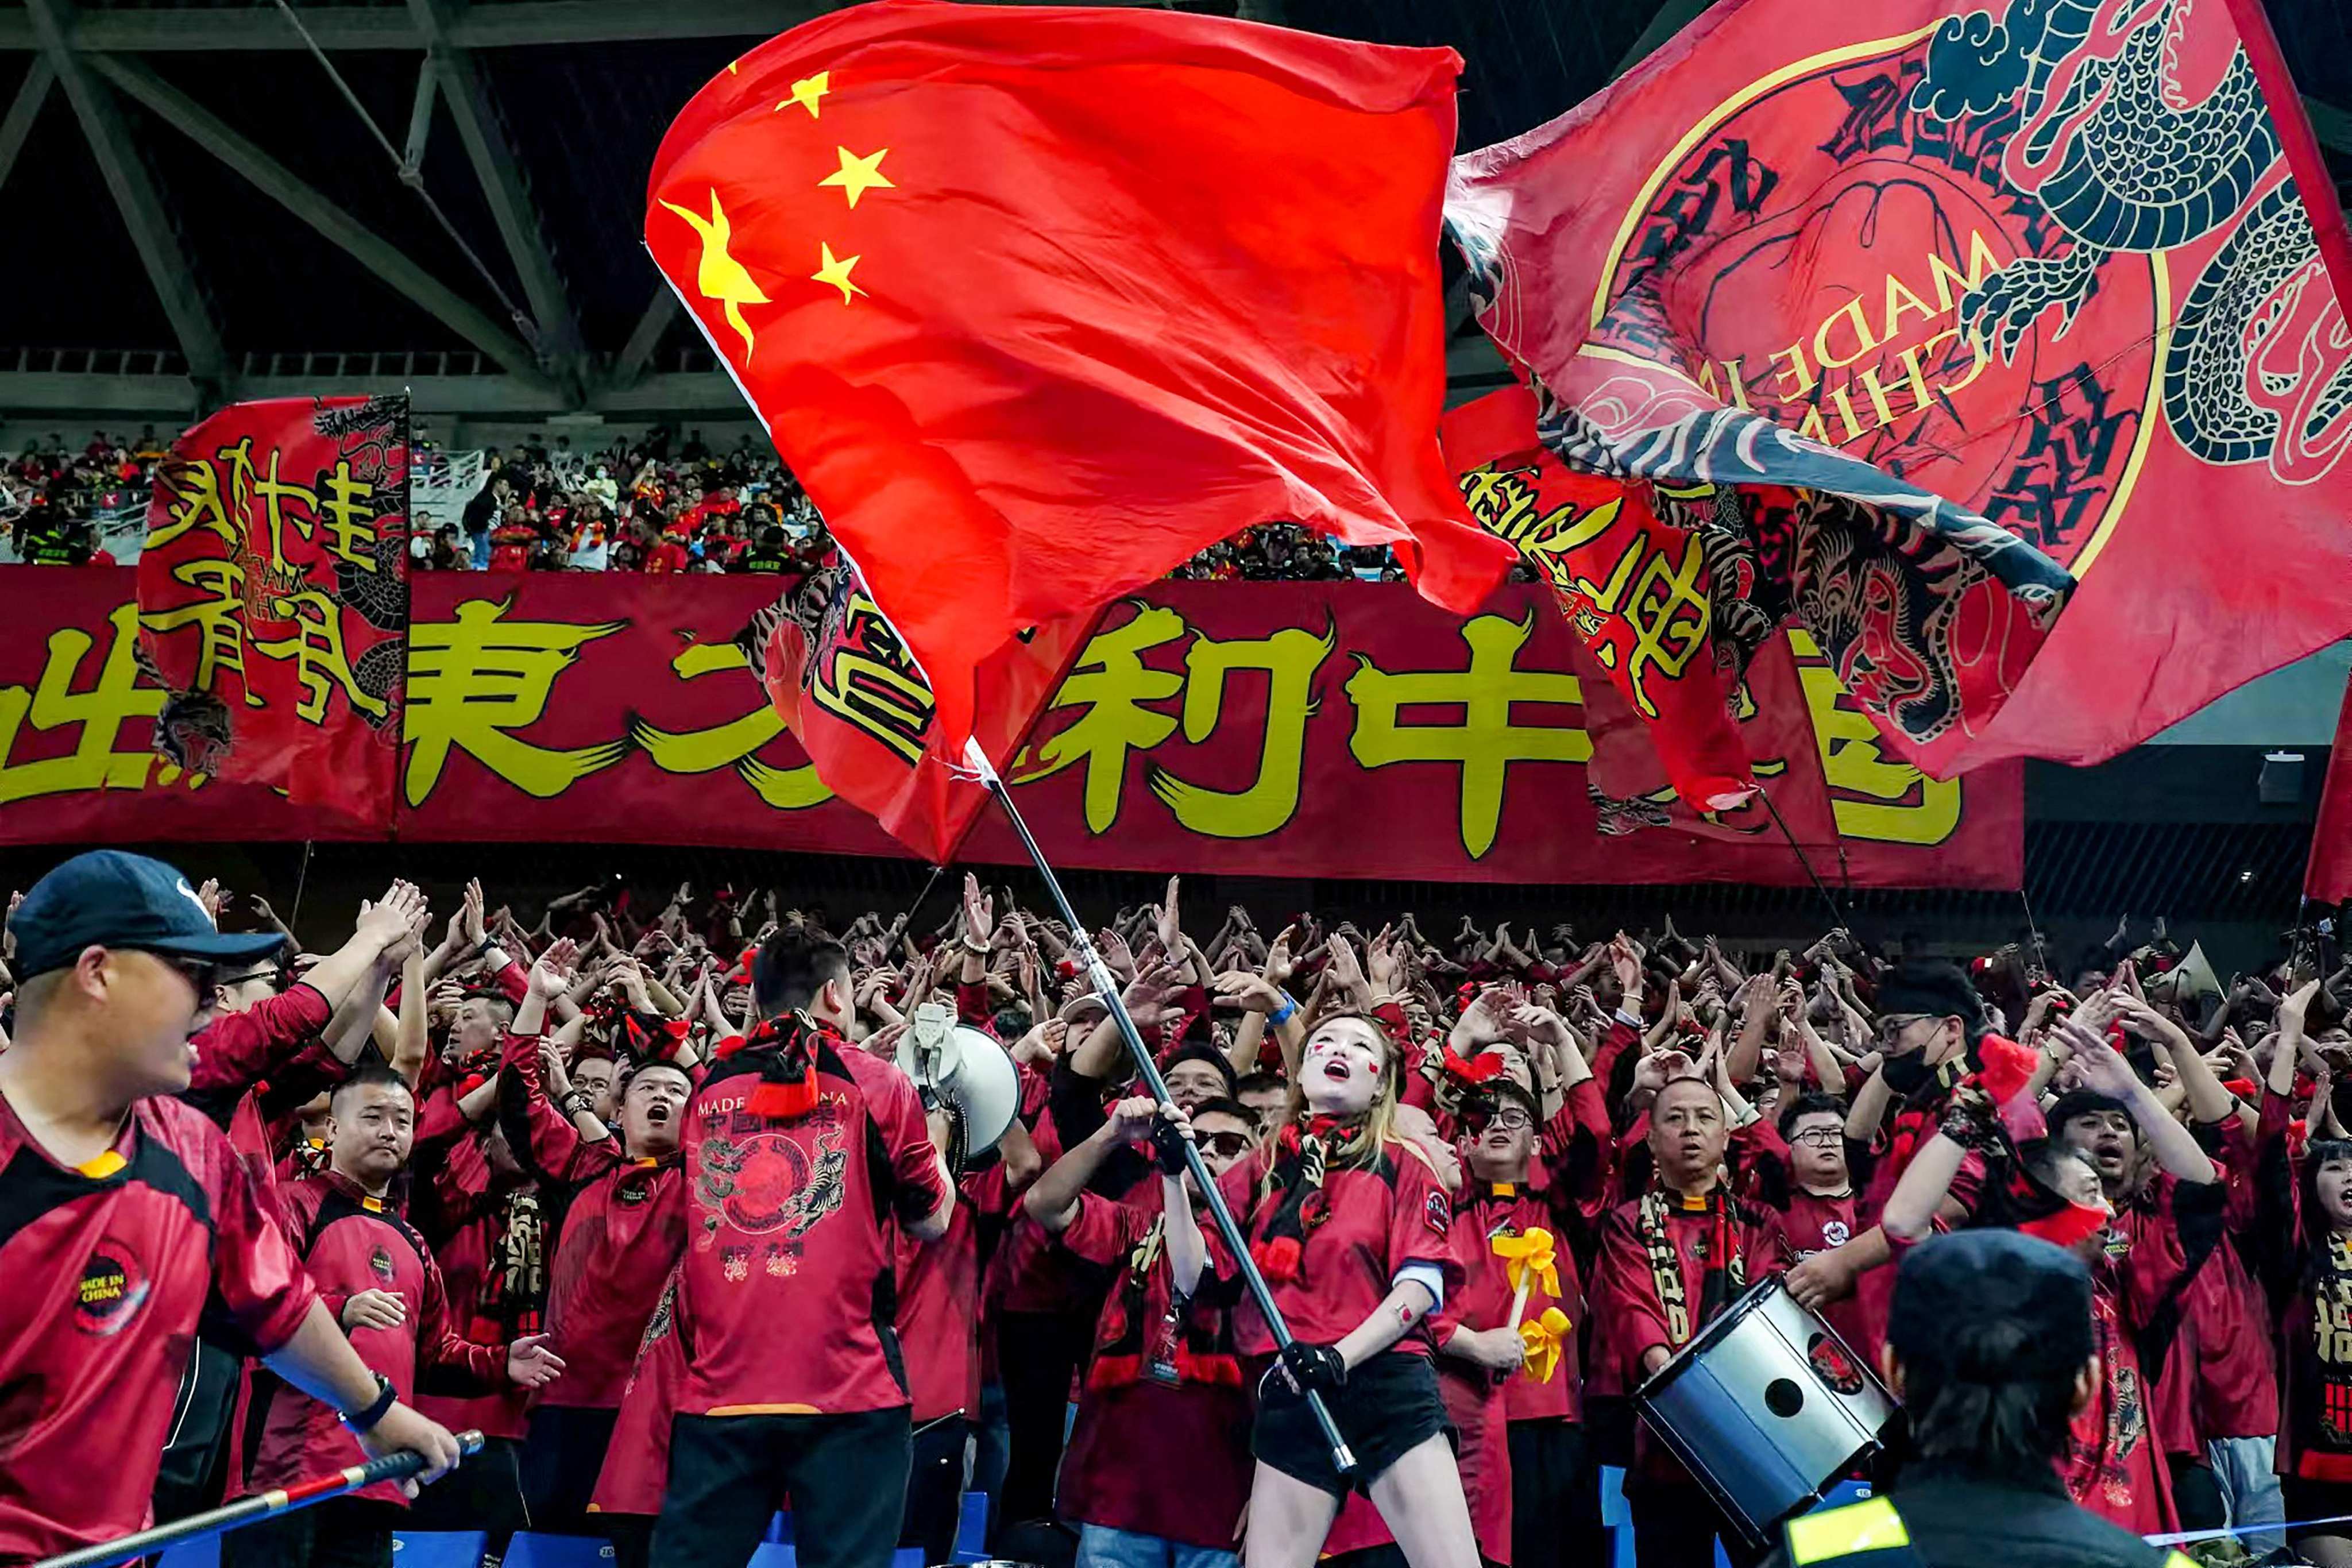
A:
(273, 598)
(1269, 729)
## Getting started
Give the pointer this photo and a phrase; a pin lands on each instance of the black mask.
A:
(1907, 1073)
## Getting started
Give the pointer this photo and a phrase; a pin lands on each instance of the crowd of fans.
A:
(1675, 1119)
(664, 502)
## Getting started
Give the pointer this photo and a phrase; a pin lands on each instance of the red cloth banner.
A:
(841, 679)
(1959, 294)
(1635, 588)
(273, 600)
(1194, 287)
(1276, 729)
(2329, 875)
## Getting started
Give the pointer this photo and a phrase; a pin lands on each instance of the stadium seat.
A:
(455, 1549)
(972, 1529)
(204, 1553)
(531, 1550)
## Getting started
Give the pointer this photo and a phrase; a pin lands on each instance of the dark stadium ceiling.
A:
(191, 199)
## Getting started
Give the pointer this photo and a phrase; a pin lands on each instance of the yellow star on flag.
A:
(857, 175)
(834, 270)
(720, 277)
(807, 90)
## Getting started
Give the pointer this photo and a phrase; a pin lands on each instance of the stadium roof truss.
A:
(531, 298)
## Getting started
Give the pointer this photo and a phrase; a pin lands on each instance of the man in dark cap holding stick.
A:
(127, 1214)
(1989, 1347)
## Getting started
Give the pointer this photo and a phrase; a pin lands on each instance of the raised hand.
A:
(978, 914)
(551, 976)
(1170, 927)
(1250, 992)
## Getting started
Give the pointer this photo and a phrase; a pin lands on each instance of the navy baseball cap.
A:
(1992, 1296)
(111, 899)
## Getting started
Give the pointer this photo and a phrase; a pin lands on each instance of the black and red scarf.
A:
(1723, 1271)
(1302, 1155)
(788, 1047)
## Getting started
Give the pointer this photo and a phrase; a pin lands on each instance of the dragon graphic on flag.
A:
(1957, 329)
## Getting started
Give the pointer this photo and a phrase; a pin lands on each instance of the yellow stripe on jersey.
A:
(1871, 1526)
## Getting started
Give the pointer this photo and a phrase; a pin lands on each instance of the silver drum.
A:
(1767, 1408)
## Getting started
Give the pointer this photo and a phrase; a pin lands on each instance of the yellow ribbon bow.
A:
(1543, 1339)
(1528, 1254)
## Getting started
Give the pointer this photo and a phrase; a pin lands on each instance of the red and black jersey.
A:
(1372, 1221)
(111, 1266)
(787, 1295)
(350, 1242)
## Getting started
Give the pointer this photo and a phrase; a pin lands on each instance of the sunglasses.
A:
(1231, 1145)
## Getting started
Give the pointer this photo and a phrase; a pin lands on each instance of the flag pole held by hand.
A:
(1106, 986)
(246, 1510)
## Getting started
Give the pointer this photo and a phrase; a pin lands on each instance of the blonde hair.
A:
(1362, 1152)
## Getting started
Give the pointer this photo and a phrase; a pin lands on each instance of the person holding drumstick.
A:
(1671, 1261)
(1990, 1346)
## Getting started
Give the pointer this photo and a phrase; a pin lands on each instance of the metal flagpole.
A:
(246, 1510)
(1105, 985)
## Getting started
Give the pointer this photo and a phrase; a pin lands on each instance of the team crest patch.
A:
(1833, 1364)
(380, 1265)
(1438, 1212)
(113, 1288)
(1835, 1234)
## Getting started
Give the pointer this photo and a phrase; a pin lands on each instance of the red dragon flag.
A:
(273, 600)
(2014, 332)
(1039, 301)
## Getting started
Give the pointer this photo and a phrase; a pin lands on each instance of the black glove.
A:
(1315, 1368)
(1169, 1145)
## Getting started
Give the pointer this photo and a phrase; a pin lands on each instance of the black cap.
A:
(1932, 986)
(1991, 1306)
(109, 899)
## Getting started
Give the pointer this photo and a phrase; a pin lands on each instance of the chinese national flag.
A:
(2329, 876)
(838, 673)
(1039, 301)
(273, 600)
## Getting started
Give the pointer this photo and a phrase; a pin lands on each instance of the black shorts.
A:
(2306, 1498)
(1389, 1406)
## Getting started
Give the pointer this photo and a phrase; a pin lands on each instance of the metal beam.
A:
(420, 118)
(646, 337)
(23, 110)
(274, 181)
(523, 24)
(135, 196)
(1671, 17)
(487, 148)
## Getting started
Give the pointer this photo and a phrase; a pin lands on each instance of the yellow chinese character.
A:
(865, 676)
(316, 645)
(1664, 604)
(473, 679)
(733, 744)
(1898, 804)
(349, 524)
(219, 620)
(97, 760)
(1486, 743)
(1290, 658)
(196, 501)
(1111, 681)
(274, 493)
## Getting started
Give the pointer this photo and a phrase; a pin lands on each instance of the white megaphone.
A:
(966, 1071)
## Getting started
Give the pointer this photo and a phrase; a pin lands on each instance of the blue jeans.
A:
(1101, 1547)
(481, 551)
(2249, 1487)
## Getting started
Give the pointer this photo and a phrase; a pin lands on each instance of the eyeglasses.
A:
(1511, 1119)
(1231, 1145)
(1892, 1024)
(204, 976)
(1819, 1138)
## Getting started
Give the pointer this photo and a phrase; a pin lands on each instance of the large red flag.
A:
(273, 599)
(839, 674)
(1039, 301)
(2329, 874)
(1960, 295)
